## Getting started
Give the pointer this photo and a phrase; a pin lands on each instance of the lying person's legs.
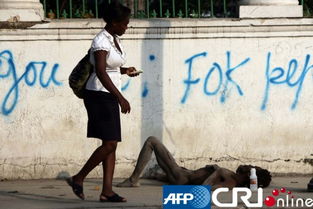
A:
(164, 159)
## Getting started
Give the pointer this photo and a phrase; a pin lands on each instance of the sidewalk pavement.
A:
(56, 194)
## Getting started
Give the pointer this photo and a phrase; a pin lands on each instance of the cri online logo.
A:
(279, 198)
(200, 197)
(283, 198)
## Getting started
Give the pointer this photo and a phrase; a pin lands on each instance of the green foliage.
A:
(307, 8)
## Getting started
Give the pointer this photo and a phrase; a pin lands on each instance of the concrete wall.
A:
(214, 91)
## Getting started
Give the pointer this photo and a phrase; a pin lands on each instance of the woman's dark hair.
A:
(115, 12)
(264, 176)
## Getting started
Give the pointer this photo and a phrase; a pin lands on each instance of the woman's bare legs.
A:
(108, 166)
(99, 155)
(164, 159)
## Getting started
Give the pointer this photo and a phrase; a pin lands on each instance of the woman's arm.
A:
(130, 71)
(123, 70)
(100, 66)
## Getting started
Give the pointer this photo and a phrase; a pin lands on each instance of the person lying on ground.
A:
(208, 175)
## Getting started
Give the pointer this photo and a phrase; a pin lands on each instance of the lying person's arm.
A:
(221, 178)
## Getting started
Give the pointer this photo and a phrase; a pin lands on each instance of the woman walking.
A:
(102, 100)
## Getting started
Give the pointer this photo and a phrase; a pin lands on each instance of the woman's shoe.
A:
(77, 189)
(113, 198)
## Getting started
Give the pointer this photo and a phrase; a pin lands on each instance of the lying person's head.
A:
(264, 176)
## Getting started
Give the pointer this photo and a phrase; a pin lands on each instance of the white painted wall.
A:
(242, 121)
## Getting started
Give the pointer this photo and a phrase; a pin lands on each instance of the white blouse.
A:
(114, 60)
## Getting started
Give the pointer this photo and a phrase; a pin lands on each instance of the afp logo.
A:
(186, 196)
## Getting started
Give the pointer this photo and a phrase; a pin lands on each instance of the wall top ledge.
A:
(164, 29)
(177, 22)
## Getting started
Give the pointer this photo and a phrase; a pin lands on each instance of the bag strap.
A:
(89, 53)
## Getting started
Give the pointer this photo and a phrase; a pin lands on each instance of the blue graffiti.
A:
(189, 80)
(151, 57)
(229, 78)
(145, 90)
(279, 76)
(8, 70)
(215, 67)
(126, 85)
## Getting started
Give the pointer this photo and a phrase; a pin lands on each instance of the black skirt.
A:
(103, 116)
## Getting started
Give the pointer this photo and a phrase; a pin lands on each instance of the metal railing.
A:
(148, 8)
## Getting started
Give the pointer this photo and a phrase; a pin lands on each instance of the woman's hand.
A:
(132, 72)
(125, 106)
